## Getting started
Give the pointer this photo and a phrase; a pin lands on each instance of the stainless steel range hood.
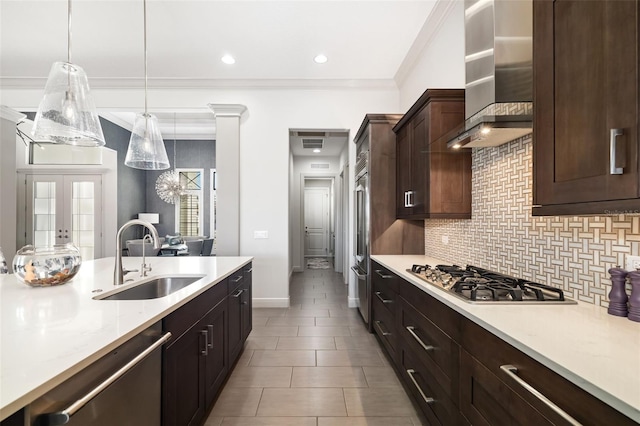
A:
(499, 73)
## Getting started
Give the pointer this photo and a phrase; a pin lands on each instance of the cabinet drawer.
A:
(491, 353)
(383, 323)
(235, 280)
(186, 316)
(430, 345)
(433, 400)
(443, 317)
(386, 281)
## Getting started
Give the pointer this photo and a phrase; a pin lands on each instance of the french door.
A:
(65, 209)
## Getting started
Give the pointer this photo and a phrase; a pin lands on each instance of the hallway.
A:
(313, 364)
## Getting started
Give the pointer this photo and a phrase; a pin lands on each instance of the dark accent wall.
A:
(197, 154)
(131, 182)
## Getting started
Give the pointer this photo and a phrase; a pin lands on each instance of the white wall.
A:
(301, 168)
(8, 182)
(264, 154)
(436, 60)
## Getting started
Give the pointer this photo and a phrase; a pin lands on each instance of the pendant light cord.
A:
(69, 31)
(144, 3)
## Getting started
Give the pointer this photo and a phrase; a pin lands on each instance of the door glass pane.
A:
(82, 218)
(190, 215)
(44, 213)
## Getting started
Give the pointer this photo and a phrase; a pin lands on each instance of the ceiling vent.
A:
(312, 143)
(319, 165)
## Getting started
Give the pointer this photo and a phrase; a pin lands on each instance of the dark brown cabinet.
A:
(196, 362)
(458, 373)
(247, 304)
(387, 235)
(432, 181)
(585, 107)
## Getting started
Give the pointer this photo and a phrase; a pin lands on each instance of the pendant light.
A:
(146, 148)
(66, 113)
(168, 186)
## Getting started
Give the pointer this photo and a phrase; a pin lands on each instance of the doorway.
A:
(64, 209)
(318, 218)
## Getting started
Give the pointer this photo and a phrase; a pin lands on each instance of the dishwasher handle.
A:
(63, 417)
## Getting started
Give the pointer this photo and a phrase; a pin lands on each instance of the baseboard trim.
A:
(271, 302)
(298, 269)
(353, 302)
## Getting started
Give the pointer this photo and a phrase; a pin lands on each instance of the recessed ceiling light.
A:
(317, 150)
(320, 59)
(228, 59)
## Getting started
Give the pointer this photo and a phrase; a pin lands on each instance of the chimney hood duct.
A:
(499, 73)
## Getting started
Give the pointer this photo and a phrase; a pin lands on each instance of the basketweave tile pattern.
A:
(572, 253)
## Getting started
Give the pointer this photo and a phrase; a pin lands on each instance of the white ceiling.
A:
(273, 42)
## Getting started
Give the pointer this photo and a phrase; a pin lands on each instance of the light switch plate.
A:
(260, 235)
(632, 263)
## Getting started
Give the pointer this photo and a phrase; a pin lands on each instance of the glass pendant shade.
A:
(67, 113)
(146, 148)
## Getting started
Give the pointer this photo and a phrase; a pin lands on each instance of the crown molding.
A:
(227, 110)
(431, 27)
(200, 84)
(11, 114)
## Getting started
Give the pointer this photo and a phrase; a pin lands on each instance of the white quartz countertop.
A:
(50, 333)
(598, 352)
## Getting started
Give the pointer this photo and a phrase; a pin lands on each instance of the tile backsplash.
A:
(570, 252)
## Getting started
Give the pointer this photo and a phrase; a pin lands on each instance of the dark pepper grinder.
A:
(634, 300)
(618, 296)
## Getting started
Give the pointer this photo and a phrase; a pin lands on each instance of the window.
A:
(189, 210)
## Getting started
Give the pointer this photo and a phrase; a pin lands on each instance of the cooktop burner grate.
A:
(480, 285)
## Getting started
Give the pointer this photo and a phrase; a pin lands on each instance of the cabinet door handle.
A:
(383, 276)
(512, 372)
(63, 417)
(235, 296)
(205, 351)
(248, 271)
(382, 299)
(426, 398)
(426, 347)
(613, 152)
(379, 324)
(237, 280)
(210, 336)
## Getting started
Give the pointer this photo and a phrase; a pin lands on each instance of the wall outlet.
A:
(632, 263)
(260, 235)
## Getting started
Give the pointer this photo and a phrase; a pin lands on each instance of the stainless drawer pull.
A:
(248, 271)
(427, 399)
(237, 280)
(237, 294)
(426, 347)
(205, 351)
(210, 335)
(383, 276)
(613, 152)
(63, 417)
(511, 372)
(382, 299)
(384, 333)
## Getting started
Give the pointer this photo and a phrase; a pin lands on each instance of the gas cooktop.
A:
(478, 285)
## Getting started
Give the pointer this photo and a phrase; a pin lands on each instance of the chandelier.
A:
(168, 186)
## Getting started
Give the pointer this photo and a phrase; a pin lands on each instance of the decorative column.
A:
(228, 176)
(8, 180)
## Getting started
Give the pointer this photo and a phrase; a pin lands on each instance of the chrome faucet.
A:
(119, 273)
(144, 268)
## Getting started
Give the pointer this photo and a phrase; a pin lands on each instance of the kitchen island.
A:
(48, 335)
(597, 352)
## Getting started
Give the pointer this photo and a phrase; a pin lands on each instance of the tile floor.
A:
(313, 364)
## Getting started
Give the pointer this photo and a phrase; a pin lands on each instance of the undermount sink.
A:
(153, 288)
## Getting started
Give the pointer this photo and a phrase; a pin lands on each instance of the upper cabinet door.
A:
(585, 106)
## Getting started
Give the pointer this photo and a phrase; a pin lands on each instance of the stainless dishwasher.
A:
(122, 388)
